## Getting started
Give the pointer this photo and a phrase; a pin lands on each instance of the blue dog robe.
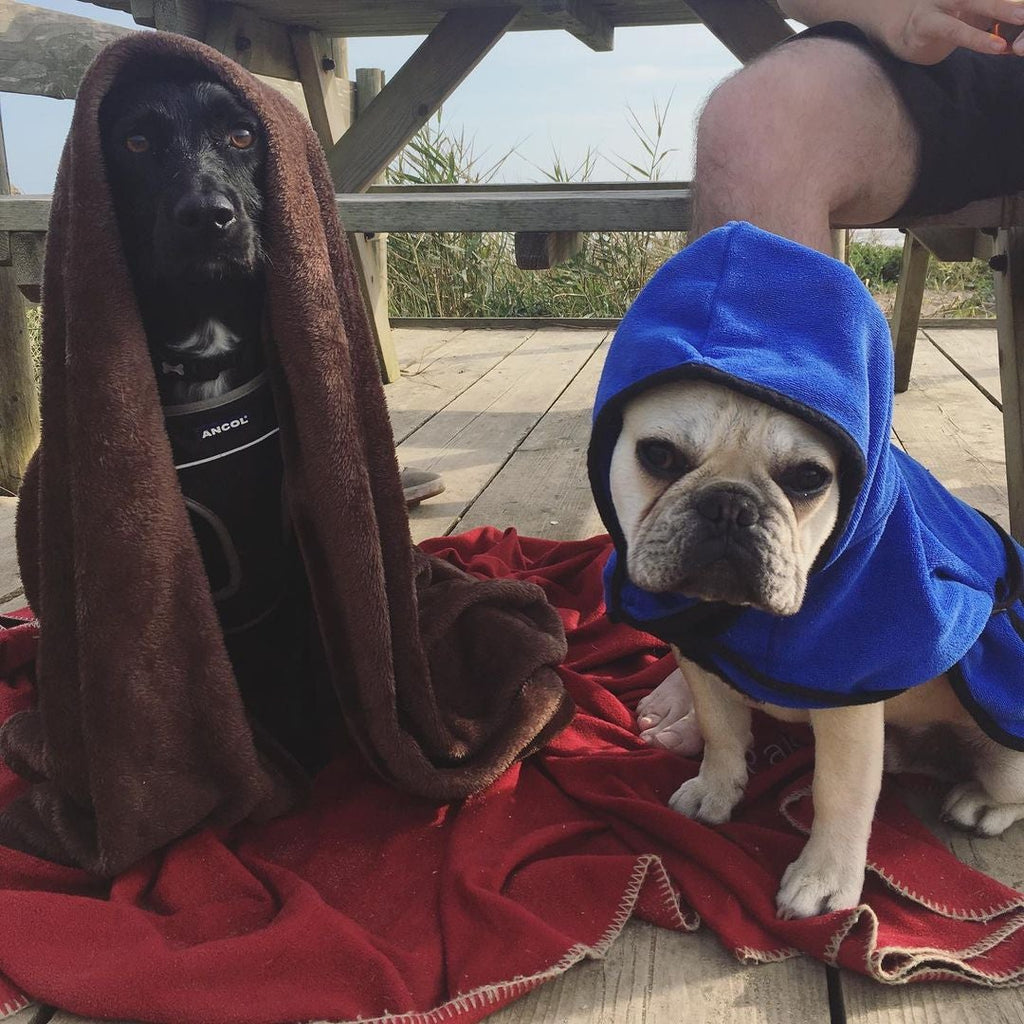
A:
(912, 583)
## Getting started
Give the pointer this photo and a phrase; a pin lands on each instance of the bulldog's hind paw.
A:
(968, 806)
(708, 800)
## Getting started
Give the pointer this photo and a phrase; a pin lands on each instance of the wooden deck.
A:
(505, 415)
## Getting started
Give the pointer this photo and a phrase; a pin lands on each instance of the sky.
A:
(544, 95)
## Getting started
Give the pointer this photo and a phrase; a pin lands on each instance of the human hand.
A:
(921, 31)
(927, 31)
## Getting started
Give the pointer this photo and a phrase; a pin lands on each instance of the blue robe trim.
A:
(911, 584)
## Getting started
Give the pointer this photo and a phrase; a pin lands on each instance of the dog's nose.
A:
(204, 211)
(728, 507)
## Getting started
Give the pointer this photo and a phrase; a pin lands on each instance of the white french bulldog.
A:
(727, 499)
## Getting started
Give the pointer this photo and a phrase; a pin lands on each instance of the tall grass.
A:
(457, 275)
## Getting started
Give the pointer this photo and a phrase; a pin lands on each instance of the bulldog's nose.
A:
(204, 211)
(726, 507)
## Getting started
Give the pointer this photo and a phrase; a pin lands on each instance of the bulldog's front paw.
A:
(820, 881)
(707, 798)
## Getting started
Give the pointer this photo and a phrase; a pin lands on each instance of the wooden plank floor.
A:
(949, 420)
(505, 416)
(10, 583)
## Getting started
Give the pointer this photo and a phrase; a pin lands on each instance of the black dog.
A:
(185, 161)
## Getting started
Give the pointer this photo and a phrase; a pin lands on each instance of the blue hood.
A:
(912, 583)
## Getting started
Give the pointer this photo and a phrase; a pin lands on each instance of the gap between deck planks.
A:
(437, 365)
(975, 354)
(543, 490)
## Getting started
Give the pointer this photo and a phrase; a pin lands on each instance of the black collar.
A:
(205, 368)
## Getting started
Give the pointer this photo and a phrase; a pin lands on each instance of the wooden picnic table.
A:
(363, 124)
(262, 35)
(44, 53)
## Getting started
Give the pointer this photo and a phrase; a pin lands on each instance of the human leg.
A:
(784, 145)
(830, 126)
(665, 717)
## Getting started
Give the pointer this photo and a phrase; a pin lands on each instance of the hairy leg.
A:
(724, 718)
(810, 133)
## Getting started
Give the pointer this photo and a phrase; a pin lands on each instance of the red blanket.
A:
(370, 903)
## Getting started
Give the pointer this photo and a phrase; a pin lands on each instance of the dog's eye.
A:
(804, 480)
(241, 137)
(661, 459)
(136, 143)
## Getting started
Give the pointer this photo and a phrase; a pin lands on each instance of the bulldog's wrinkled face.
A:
(721, 497)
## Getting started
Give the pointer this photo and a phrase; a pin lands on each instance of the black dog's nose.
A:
(727, 507)
(204, 211)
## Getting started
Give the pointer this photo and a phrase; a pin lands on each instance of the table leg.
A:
(906, 314)
(332, 118)
(19, 403)
(1008, 263)
(456, 45)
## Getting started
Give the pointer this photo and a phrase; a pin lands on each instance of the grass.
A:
(456, 275)
(951, 289)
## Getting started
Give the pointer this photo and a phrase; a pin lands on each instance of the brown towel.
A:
(140, 734)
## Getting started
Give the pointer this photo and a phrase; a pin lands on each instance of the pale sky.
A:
(540, 92)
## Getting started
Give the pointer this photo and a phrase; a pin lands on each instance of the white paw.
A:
(707, 799)
(818, 883)
(969, 807)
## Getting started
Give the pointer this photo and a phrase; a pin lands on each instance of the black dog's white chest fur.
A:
(212, 347)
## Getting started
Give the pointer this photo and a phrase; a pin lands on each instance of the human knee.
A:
(794, 105)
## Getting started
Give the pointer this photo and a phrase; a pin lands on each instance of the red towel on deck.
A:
(370, 902)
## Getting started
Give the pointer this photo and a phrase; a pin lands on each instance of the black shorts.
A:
(969, 115)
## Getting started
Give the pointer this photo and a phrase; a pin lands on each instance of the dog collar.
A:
(207, 368)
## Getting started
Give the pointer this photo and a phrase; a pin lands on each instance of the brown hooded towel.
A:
(140, 734)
